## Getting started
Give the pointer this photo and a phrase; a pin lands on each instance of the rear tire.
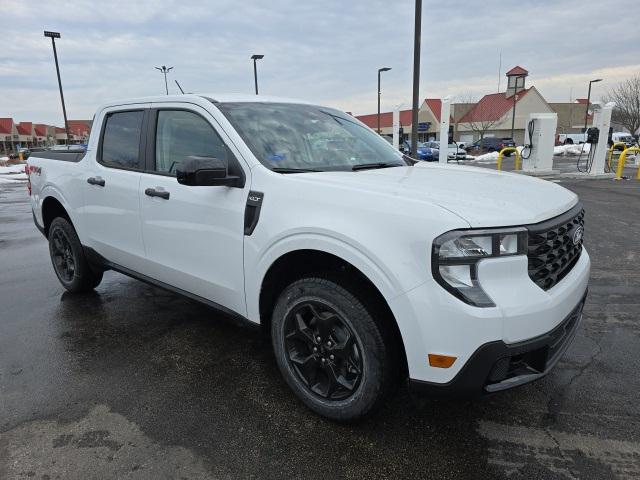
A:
(331, 350)
(68, 259)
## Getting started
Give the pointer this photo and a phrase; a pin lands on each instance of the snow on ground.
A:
(491, 157)
(12, 174)
(572, 149)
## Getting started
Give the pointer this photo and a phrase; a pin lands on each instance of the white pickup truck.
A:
(364, 269)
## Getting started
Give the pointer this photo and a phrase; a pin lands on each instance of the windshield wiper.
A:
(293, 170)
(367, 166)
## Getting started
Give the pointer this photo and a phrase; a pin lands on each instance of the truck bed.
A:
(62, 155)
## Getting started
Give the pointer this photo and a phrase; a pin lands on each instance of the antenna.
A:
(499, 71)
(179, 86)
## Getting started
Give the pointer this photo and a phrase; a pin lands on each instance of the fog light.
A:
(441, 361)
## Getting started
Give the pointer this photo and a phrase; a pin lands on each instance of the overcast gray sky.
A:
(325, 51)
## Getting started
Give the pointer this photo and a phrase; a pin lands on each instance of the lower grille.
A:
(555, 246)
(536, 356)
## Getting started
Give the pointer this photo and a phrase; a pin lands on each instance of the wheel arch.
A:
(51, 209)
(296, 264)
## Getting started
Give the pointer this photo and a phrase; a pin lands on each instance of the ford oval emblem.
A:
(577, 235)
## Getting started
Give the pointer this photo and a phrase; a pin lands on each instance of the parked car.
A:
(623, 137)
(508, 142)
(427, 152)
(363, 269)
(571, 138)
(491, 144)
(454, 152)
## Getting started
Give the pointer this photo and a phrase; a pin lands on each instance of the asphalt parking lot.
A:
(134, 382)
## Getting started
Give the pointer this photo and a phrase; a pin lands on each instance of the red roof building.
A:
(517, 70)
(40, 129)
(429, 114)
(6, 126)
(25, 128)
(492, 107)
(79, 128)
(493, 114)
(386, 119)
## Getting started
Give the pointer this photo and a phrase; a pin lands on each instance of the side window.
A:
(180, 134)
(121, 139)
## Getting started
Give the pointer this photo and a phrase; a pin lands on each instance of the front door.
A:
(193, 235)
(111, 209)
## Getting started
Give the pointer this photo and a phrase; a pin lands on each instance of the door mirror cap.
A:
(205, 171)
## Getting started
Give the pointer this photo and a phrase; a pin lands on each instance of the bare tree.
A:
(478, 117)
(627, 98)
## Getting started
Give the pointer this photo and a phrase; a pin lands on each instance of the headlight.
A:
(455, 256)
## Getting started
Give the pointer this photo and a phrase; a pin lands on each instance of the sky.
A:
(325, 51)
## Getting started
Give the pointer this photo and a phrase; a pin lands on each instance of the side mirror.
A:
(206, 171)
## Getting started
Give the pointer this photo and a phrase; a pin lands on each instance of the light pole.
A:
(255, 58)
(165, 70)
(380, 70)
(53, 36)
(586, 112)
(416, 77)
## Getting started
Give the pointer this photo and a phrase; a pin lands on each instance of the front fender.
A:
(257, 263)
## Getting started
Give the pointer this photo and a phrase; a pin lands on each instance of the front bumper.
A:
(497, 366)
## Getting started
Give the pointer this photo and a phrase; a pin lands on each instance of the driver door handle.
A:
(99, 181)
(157, 192)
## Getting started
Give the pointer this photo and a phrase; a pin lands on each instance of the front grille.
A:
(551, 251)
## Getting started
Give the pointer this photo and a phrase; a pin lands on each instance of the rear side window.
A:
(121, 140)
(180, 134)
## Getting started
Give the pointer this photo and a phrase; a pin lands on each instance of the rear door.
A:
(193, 235)
(112, 205)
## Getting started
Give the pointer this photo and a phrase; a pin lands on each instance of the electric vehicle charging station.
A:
(537, 155)
(602, 122)
(445, 113)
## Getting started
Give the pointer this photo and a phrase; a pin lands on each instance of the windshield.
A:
(293, 137)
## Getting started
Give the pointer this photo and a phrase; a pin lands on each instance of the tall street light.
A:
(255, 58)
(380, 70)
(416, 77)
(165, 70)
(53, 36)
(586, 112)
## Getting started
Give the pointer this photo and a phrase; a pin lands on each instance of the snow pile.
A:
(572, 149)
(12, 174)
(491, 157)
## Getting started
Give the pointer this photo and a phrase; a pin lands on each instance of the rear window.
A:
(121, 140)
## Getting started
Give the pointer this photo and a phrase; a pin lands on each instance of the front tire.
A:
(330, 349)
(68, 259)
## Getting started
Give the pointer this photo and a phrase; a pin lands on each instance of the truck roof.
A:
(216, 97)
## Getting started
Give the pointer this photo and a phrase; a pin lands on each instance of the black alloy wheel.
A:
(323, 350)
(67, 256)
(62, 255)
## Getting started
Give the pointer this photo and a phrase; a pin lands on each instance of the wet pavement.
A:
(134, 382)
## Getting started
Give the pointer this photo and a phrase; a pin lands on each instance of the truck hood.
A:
(482, 197)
